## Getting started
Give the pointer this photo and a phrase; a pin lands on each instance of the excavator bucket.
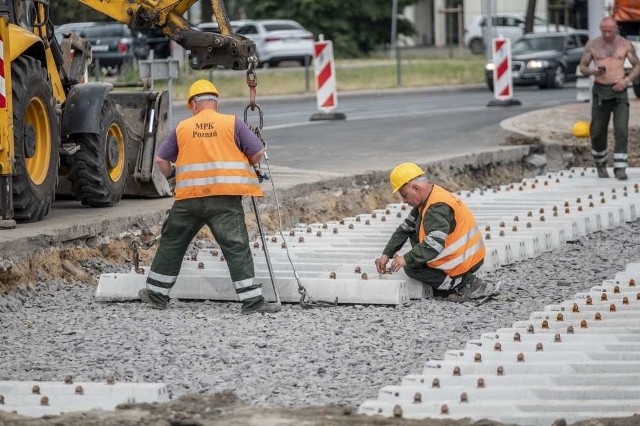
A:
(146, 114)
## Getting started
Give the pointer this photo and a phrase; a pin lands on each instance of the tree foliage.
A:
(356, 27)
(65, 11)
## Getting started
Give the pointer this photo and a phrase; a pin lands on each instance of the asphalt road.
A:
(385, 128)
(382, 129)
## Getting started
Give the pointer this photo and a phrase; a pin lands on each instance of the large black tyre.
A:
(36, 140)
(636, 88)
(476, 46)
(98, 171)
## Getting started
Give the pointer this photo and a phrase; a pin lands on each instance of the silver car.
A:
(279, 40)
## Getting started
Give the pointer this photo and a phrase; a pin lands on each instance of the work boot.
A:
(264, 307)
(620, 174)
(471, 288)
(143, 294)
(602, 170)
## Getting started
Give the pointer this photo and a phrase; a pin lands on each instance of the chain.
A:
(252, 82)
(136, 246)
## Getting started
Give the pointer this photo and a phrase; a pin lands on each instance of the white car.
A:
(507, 25)
(279, 40)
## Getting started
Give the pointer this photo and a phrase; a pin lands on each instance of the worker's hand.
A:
(397, 263)
(381, 263)
(598, 72)
(172, 184)
(621, 86)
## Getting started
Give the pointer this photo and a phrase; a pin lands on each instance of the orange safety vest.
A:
(463, 248)
(209, 161)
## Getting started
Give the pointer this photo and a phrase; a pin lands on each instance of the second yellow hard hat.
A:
(404, 173)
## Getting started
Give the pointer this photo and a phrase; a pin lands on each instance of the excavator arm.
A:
(207, 49)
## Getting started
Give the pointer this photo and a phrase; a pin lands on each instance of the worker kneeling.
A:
(213, 155)
(447, 247)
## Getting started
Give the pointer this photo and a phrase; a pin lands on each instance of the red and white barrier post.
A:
(325, 76)
(502, 77)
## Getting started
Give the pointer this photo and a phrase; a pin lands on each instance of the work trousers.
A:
(606, 102)
(438, 280)
(224, 215)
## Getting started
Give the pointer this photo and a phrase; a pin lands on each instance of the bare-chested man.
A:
(608, 53)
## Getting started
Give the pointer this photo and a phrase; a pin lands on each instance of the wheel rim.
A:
(115, 152)
(37, 130)
(559, 76)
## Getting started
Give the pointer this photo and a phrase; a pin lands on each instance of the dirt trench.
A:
(304, 204)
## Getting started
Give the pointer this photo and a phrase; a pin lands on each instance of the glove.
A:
(172, 184)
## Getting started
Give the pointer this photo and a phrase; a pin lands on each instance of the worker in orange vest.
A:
(213, 155)
(447, 247)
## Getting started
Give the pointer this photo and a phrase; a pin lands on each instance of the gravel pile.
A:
(340, 355)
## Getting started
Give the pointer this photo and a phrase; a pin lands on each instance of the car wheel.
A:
(273, 63)
(490, 84)
(559, 78)
(476, 46)
(636, 88)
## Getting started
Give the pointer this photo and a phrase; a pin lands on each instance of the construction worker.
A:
(447, 246)
(213, 155)
(608, 53)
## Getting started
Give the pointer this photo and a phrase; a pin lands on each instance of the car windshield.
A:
(537, 44)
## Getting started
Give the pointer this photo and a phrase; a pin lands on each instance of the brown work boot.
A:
(264, 307)
(143, 294)
(471, 288)
(602, 170)
(620, 174)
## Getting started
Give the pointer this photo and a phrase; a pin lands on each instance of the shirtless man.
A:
(608, 53)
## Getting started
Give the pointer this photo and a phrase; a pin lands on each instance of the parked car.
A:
(214, 27)
(507, 25)
(113, 45)
(156, 41)
(547, 60)
(279, 40)
(635, 41)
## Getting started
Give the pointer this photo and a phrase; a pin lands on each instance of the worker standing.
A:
(608, 52)
(213, 155)
(447, 247)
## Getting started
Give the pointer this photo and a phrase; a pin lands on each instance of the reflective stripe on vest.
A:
(463, 247)
(209, 161)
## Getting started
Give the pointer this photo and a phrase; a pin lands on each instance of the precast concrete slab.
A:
(36, 399)
(212, 286)
(573, 360)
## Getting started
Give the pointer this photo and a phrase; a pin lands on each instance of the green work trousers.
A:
(436, 278)
(606, 102)
(224, 215)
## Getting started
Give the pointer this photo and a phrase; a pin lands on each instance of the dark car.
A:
(156, 41)
(112, 43)
(546, 60)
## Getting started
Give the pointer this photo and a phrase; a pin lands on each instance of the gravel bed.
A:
(340, 355)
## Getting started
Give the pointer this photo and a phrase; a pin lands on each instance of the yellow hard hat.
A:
(201, 87)
(404, 173)
(581, 129)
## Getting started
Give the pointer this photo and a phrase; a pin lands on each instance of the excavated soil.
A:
(307, 204)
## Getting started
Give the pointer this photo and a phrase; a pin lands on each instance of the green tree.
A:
(65, 11)
(356, 27)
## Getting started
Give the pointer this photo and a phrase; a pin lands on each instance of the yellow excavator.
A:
(61, 134)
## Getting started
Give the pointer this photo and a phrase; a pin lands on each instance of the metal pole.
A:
(394, 26)
(596, 13)
(488, 29)
(394, 41)
(265, 249)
